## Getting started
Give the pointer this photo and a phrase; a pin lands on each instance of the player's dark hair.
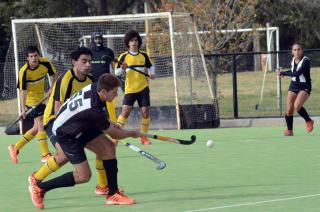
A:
(80, 51)
(297, 43)
(130, 35)
(31, 49)
(108, 82)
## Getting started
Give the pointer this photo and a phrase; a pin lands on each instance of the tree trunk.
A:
(81, 8)
(102, 7)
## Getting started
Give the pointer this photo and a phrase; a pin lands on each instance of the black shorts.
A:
(296, 87)
(73, 148)
(142, 97)
(51, 136)
(37, 111)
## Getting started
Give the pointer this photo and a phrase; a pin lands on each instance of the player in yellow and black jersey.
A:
(136, 84)
(68, 84)
(31, 85)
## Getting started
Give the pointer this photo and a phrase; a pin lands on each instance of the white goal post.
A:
(171, 39)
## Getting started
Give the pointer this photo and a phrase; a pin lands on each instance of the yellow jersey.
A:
(135, 81)
(33, 80)
(66, 85)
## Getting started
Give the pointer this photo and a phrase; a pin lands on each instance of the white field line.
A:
(253, 203)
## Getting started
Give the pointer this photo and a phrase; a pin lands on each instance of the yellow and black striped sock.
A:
(49, 167)
(145, 123)
(43, 142)
(111, 107)
(28, 136)
(101, 174)
(121, 121)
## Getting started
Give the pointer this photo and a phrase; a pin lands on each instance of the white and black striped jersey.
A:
(300, 72)
(81, 112)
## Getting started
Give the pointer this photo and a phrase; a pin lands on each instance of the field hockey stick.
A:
(104, 57)
(161, 164)
(174, 140)
(279, 90)
(7, 130)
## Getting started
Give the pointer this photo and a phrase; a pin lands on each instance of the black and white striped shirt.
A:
(81, 112)
(300, 72)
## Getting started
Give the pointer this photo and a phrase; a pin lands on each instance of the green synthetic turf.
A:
(254, 166)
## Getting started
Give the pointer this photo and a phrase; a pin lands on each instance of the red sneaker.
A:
(13, 154)
(145, 141)
(37, 195)
(119, 199)
(33, 181)
(104, 191)
(309, 126)
(288, 133)
(46, 157)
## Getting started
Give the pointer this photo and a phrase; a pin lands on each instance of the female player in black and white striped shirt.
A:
(299, 89)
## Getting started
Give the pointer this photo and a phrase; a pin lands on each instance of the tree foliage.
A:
(22, 9)
(213, 16)
(298, 20)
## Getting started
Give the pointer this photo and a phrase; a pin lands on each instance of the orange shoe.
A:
(145, 141)
(115, 142)
(104, 191)
(119, 199)
(288, 133)
(309, 126)
(33, 181)
(13, 154)
(46, 157)
(37, 195)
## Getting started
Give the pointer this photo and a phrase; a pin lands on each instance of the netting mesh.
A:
(56, 40)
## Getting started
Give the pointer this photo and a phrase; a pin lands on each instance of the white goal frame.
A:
(115, 18)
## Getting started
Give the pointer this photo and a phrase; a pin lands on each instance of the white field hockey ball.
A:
(210, 143)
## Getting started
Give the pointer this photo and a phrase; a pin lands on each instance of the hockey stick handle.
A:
(26, 114)
(161, 163)
(104, 57)
(169, 139)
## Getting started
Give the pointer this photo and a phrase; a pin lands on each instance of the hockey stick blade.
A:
(161, 164)
(188, 142)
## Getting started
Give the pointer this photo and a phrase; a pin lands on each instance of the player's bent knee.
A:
(83, 177)
(34, 130)
(60, 158)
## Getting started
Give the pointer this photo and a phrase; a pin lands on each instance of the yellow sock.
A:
(49, 167)
(121, 120)
(28, 136)
(145, 123)
(101, 174)
(111, 107)
(43, 143)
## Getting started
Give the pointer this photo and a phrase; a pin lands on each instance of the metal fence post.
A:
(235, 87)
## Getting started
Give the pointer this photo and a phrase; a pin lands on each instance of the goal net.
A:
(182, 95)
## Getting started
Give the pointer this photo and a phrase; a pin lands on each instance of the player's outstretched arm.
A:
(152, 73)
(118, 133)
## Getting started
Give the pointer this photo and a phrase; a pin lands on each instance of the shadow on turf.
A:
(91, 200)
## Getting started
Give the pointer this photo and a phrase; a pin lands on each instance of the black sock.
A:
(289, 120)
(111, 168)
(304, 114)
(65, 180)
